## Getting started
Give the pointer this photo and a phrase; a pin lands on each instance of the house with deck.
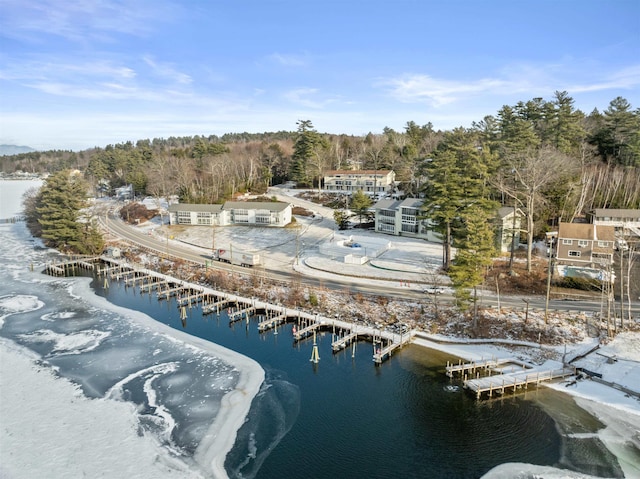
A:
(376, 183)
(584, 249)
(625, 221)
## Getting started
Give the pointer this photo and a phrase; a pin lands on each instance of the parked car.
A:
(433, 290)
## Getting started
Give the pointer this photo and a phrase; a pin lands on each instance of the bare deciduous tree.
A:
(526, 177)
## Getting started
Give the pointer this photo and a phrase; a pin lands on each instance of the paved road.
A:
(391, 288)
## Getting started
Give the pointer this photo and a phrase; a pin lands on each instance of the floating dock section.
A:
(500, 383)
(497, 376)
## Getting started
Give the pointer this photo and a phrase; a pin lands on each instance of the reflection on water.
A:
(359, 420)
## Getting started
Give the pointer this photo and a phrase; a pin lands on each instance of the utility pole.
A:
(550, 236)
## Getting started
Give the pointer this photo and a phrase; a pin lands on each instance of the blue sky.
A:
(81, 73)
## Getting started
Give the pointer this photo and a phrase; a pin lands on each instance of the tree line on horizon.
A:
(544, 157)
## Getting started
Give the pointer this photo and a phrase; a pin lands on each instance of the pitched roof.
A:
(505, 211)
(616, 213)
(586, 231)
(230, 205)
(395, 205)
(195, 207)
(256, 205)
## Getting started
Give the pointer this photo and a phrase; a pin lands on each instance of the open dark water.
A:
(346, 418)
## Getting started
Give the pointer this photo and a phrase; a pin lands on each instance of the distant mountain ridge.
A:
(6, 150)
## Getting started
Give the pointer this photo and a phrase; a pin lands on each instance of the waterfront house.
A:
(625, 221)
(584, 249)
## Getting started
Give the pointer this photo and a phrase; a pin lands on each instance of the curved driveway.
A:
(332, 281)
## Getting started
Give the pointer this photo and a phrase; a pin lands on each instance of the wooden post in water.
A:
(314, 353)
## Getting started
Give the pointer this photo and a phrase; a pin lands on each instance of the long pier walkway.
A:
(187, 295)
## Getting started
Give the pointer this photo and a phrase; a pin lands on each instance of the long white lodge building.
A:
(231, 213)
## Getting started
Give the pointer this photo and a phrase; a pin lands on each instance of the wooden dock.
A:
(167, 293)
(151, 285)
(381, 352)
(65, 268)
(498, 384)
(385, 343)
(134, 279)
(473, 367)
(191, 298)
(271, 323)
(241, 314)
(214, 307)
(344, 341)
(306, 331)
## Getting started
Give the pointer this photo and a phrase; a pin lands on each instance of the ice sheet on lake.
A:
(177, 385)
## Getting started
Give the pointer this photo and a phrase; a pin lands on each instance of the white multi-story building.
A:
(371, 182)
(403, 218)
(231, 213)
(621, 219)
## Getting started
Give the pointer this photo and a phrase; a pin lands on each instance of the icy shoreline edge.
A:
(220, 438)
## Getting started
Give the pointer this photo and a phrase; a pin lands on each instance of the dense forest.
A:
(590, 160)
(545, 157)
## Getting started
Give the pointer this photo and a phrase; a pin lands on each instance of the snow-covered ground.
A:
(618, 411)
(88, 389)
(50, 428)
(103, 437)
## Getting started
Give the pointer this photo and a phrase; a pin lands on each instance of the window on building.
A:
(567, 241)
(574, 254)
(408, 228)
(603, 244)
(583, 243)
(184, 217)
(203, 217)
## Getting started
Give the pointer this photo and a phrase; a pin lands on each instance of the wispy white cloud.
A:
(310, 98)
(29, 70)
(80, 20)
(439, 92)
(167, 71)
(626, 78)
(289, 60)
(101, 79)
(303, 97)
(511, 80)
